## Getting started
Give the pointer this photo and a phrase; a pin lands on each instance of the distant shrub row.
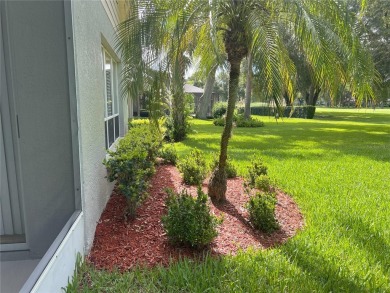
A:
(239, 121)
(306, 112)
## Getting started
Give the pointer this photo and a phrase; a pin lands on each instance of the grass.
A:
(337, 168)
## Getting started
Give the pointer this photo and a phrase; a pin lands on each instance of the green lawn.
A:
(337, 168)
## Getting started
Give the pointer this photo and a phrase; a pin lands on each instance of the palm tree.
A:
(248, 88)
(321, 29)
(156, 38)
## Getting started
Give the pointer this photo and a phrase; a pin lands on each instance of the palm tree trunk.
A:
(138, 106)
(217, 184)
(178, 115)
(248, 91)
(205, 100)
(178, 107)
(311, 100)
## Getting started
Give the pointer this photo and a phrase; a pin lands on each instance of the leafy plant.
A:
(170, 131)
(169, 154)
(137, 122)
(219, 121)
(193, 167)
(262, 182)
(256, 169)
(261, 208)
(231, 170)
(132, 163)
(219, 109)
(241, 121)
(188, 220)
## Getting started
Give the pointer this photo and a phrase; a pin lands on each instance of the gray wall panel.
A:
(39, 74)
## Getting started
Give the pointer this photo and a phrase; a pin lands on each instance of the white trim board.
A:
(60, 268)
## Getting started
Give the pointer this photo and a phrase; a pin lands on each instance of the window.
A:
(111, 119)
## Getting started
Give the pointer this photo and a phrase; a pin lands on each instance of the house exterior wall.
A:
(93, 30)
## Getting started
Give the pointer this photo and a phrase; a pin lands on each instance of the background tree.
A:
(211, 57)
(156, 37)
(374, 30)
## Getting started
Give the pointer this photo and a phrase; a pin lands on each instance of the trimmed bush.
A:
(169, 154)
(220, 121)
(298, 111)
(188, 221)
(247, 122)
(219, 109)
(239, 121)
(137, 122)
(231, 170)
(256, 169)
(262, 182)
(170, 131)
(261, 208)
(132, 164)
(193, 167)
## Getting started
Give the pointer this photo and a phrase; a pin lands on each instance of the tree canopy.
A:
(161, 34)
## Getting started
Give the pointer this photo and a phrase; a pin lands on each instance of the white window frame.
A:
(114, 97)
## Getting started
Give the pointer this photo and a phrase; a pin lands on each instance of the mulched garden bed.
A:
(124, 244)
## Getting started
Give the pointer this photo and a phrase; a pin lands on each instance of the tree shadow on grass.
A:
(329, 271)
(329, 276)
(368, 239)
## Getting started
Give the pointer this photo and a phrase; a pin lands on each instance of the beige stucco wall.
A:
(92, 30)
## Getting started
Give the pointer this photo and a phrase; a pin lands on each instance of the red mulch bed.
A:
(124, 244)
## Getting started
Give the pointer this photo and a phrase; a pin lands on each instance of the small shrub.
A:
(142, 135)
(169, 154)
(171, 134)
(239, 121)
(132, 163)
(137, 122)
(247, 122)
(220, 121)
(188, 220)
(256, 169)
(231, 170)
(261, 208)
(193, 167)
(219, 109)
(262, 182)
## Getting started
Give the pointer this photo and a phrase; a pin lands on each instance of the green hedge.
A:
(132, 163)
(306, 112)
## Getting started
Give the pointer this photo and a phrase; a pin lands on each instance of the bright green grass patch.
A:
(337, 167)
